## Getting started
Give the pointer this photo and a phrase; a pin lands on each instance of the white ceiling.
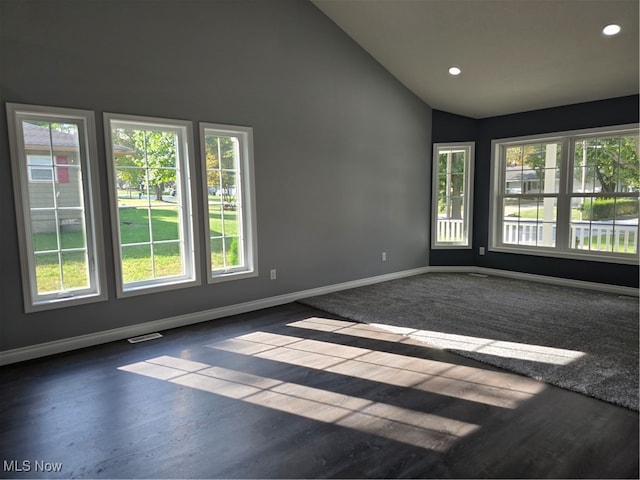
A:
(515, 55)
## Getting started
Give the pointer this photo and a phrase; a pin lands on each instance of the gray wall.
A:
(342, 150)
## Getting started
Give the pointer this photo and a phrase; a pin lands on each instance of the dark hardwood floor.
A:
(292, 392)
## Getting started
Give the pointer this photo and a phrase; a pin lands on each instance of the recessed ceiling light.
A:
(454, 71)
(612, 29)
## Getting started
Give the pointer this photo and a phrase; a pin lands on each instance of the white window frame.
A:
(84, 119)
(564, 196)
(189, 231)
(246, 202)
(467, 220)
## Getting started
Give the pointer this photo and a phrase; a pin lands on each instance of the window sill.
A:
(228, 276)
(65, 302)
(450, 246)
(570, 255)
(148, 288)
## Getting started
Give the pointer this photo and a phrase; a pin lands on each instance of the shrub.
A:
(233, 252)
(609, 208)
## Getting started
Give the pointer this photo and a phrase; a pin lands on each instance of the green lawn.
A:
(137, 261)
(601, 243)
(74, 272)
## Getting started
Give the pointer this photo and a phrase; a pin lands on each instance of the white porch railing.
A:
(523, 233)
(450, 230)
(601, 236)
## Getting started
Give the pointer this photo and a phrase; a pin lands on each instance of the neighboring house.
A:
(522, 180)
(53, 175)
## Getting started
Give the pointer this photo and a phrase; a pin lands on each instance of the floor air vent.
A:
(144, 338)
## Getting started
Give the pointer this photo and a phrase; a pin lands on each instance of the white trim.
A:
(531, 277)
(97, 338)
(246, 187)
(592, 256)
(469, 147)
(185, 164)
(564, 197)
(88, 154)
(563, 282)
(82, 341)
(587, 132)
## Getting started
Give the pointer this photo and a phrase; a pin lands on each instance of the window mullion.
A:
(222, 212)
(563, 220)
(499, 182)
(148, 207)
(240, 148)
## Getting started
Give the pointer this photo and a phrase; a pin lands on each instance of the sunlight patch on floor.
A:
(396, 423)
(441, 340)
(487, 346)
(368, 360)
(500, 389)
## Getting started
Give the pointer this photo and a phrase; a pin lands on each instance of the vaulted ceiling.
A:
(515, 55)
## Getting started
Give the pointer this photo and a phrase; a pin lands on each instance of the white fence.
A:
(450, 230)
(602, 236)
(523, 233)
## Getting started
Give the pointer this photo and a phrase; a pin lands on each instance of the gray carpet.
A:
(581, 340)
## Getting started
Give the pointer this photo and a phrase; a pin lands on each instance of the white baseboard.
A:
(73, 343)
(82, 341)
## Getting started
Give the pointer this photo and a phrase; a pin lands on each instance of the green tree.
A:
(221, 158)
(451, 183)
(535, 158)
(154, 152)
(129, 173)
(612, 161)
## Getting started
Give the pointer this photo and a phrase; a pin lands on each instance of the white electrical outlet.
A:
(384, 256)
(481, 251)
(273, 274)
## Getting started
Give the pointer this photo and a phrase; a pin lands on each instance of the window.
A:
(152, 203)
(604, 194)
(573, 195)
(40, 168)
(53, 151)
(531, 186)
(227, 162)
(452, 194)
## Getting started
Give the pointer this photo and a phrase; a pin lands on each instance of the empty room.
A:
(319, 238)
